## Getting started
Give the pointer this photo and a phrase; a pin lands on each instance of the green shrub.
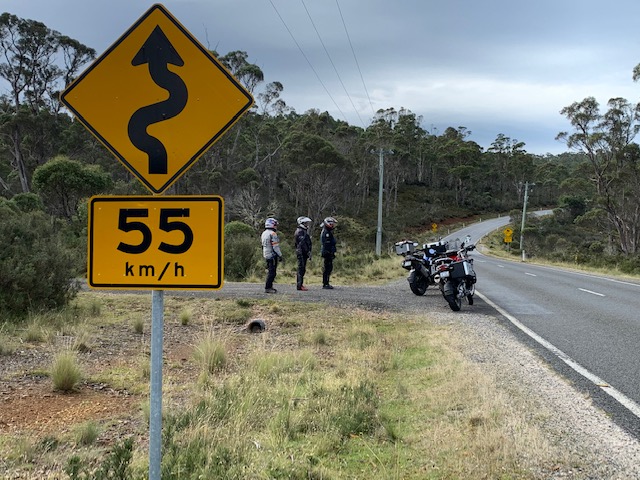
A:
(236, 316)
(211, 354)
(138, 325)
(319, 338)
(629, 265)
(115, 467)
(27, 202)
(65, 372)
(63, 183)
(86, 433)
(36, 268)
(48, 444)
(7, 346)
(238, 229)
(95, 307)
(242, 251)
(34, 333)
(185, 317)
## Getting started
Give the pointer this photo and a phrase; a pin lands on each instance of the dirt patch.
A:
(115, 366)
(29, 406)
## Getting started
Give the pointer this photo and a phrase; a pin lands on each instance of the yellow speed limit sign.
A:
(168, 242)
(508, 235)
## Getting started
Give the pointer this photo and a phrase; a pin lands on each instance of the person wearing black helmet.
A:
(302, 241)
(327, 250)
(271, 252)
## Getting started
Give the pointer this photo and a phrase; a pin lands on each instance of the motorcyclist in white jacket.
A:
(271, 252)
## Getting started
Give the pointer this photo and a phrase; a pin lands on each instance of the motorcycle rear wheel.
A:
(419, 285)
(450, 294)
(454, 302)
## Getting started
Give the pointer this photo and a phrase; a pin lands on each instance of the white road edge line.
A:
(530, 274)
(625, 401)
(592, 292)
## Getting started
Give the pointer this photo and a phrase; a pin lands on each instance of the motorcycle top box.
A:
(402, 248)
(437, 247)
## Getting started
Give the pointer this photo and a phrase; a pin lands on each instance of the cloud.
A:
(495, 67)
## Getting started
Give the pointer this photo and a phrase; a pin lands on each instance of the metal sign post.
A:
(155, 402)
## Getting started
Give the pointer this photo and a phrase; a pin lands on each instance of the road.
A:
(588, 323)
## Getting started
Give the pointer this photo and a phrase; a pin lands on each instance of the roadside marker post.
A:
(157, 100)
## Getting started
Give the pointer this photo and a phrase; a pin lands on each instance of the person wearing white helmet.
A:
(327, 250)
(271, 252)
(302, 241)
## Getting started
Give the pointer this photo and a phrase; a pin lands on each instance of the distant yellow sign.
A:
(159, 242)
(157, 99)
(508, 235)
(434, 227)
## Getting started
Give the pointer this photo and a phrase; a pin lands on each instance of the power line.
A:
(355, 58)
(331, 61)
(305, 57)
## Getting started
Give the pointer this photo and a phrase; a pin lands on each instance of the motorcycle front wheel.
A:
(472, 290)
(418, 285)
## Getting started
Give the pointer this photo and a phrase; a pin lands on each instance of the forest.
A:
(278, 162)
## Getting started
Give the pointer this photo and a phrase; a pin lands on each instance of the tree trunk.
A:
(18, 161)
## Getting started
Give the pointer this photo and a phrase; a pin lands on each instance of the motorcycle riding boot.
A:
(325, 282)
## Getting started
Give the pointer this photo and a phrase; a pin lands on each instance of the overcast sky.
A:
(492, 66)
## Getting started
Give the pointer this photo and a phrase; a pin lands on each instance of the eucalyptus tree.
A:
(268, 125)
(607, 141)
(229, 152)
(348, 142)
(549, 177)
(514, 166)
(36, 62)
(381, 135)
(459, 161)
(63, 183)
(313, 173)
(409, 156)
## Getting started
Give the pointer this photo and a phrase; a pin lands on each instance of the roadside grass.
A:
(65, 372)
(322, 393)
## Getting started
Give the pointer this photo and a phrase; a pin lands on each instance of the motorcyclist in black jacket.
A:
(302, 242)
(327, 250)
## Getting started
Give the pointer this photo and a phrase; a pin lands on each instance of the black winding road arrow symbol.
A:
(158, 53)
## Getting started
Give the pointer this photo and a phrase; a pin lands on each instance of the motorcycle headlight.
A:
(406, 263)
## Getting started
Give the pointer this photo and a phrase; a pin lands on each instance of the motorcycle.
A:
(419, 263)
(456, 276)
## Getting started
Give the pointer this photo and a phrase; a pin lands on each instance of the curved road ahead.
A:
(589, 324)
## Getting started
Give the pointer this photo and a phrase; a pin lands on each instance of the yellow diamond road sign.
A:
(157, 99)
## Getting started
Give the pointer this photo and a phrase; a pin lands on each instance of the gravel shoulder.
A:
(567, 416)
